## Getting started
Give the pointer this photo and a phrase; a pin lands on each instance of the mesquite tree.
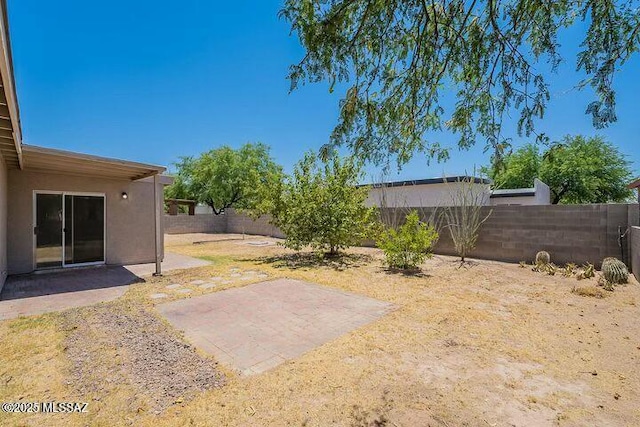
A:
(225, 177)
(416, 66)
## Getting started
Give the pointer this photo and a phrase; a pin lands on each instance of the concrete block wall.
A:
(242, 224)
(635, 251)
(206, 223)
(571, 233)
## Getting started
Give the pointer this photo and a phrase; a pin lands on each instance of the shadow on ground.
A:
(410, 272)
(307, 260)
(57, 282)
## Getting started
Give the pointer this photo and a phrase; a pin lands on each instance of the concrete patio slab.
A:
(259, 326)
(171, 262)
(44, 292)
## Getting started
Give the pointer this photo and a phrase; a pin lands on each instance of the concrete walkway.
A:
(171, 262)
(32, 294)
(259, 326)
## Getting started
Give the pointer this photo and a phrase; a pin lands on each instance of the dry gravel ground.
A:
(487, 344)
(161, 367)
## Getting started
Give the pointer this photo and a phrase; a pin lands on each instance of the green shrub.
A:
(409, 245)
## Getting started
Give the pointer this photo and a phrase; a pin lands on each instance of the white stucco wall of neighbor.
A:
(540, 195)
(422, 195)
(130, 227)
(3, 222)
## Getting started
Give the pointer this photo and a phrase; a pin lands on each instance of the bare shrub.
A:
(464, 217)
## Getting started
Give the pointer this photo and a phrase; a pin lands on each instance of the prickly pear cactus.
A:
(614, 271)
(543, 258)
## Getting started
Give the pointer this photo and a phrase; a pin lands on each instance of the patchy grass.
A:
(589, 291)
(487, 344)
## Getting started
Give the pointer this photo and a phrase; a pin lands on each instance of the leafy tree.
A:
(578, 169)
(492, 56)
(518, 169)
(407, 246)
(223, 177)
(320, 205)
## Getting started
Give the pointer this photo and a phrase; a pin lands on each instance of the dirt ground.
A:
(487, 343)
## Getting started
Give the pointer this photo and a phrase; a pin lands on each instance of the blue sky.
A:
(154, 80)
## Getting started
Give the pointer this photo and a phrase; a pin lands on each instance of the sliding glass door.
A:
(70, 229)
(48, 230)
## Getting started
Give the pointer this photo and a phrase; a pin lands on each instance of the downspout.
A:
(158, 225)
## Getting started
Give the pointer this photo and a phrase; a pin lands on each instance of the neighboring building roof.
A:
(10, 130)
(49, 160)
(516, 192)
(634, 184)
(430, 181)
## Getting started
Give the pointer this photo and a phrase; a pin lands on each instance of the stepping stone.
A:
(158, 296)
(236, 275)
(216, 278)
(234, 269)
(262, 276)
(197, 282)
(259, 243)
(225, 282)
(174, 286)
(184, 291)
(208, 286)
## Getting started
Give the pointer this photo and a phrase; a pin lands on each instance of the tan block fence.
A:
(571, 233)
(635, 251)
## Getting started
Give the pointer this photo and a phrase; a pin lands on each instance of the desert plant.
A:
(465, 217)
(614, 271)
(606, 285)
(543, 258)
(391, 202)
(549, 268)
(409, 245)
(393, 206)
(569, 269)
(588, 291)
(588, 271)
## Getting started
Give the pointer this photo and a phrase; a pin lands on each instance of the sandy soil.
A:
(488, 343)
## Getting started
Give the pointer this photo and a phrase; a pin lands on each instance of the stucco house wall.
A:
(130, 229)
(539, 195)
(3, 222)
(426, 195)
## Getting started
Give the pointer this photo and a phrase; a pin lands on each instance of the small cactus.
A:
(588, 271)
(551, 269)
(569, 270)
(615, 271)
(543, 258)
(607, 285)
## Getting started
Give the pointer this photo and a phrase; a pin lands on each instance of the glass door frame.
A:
(62, 194)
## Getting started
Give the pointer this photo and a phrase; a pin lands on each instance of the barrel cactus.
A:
(615, 271)
(543, 258)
